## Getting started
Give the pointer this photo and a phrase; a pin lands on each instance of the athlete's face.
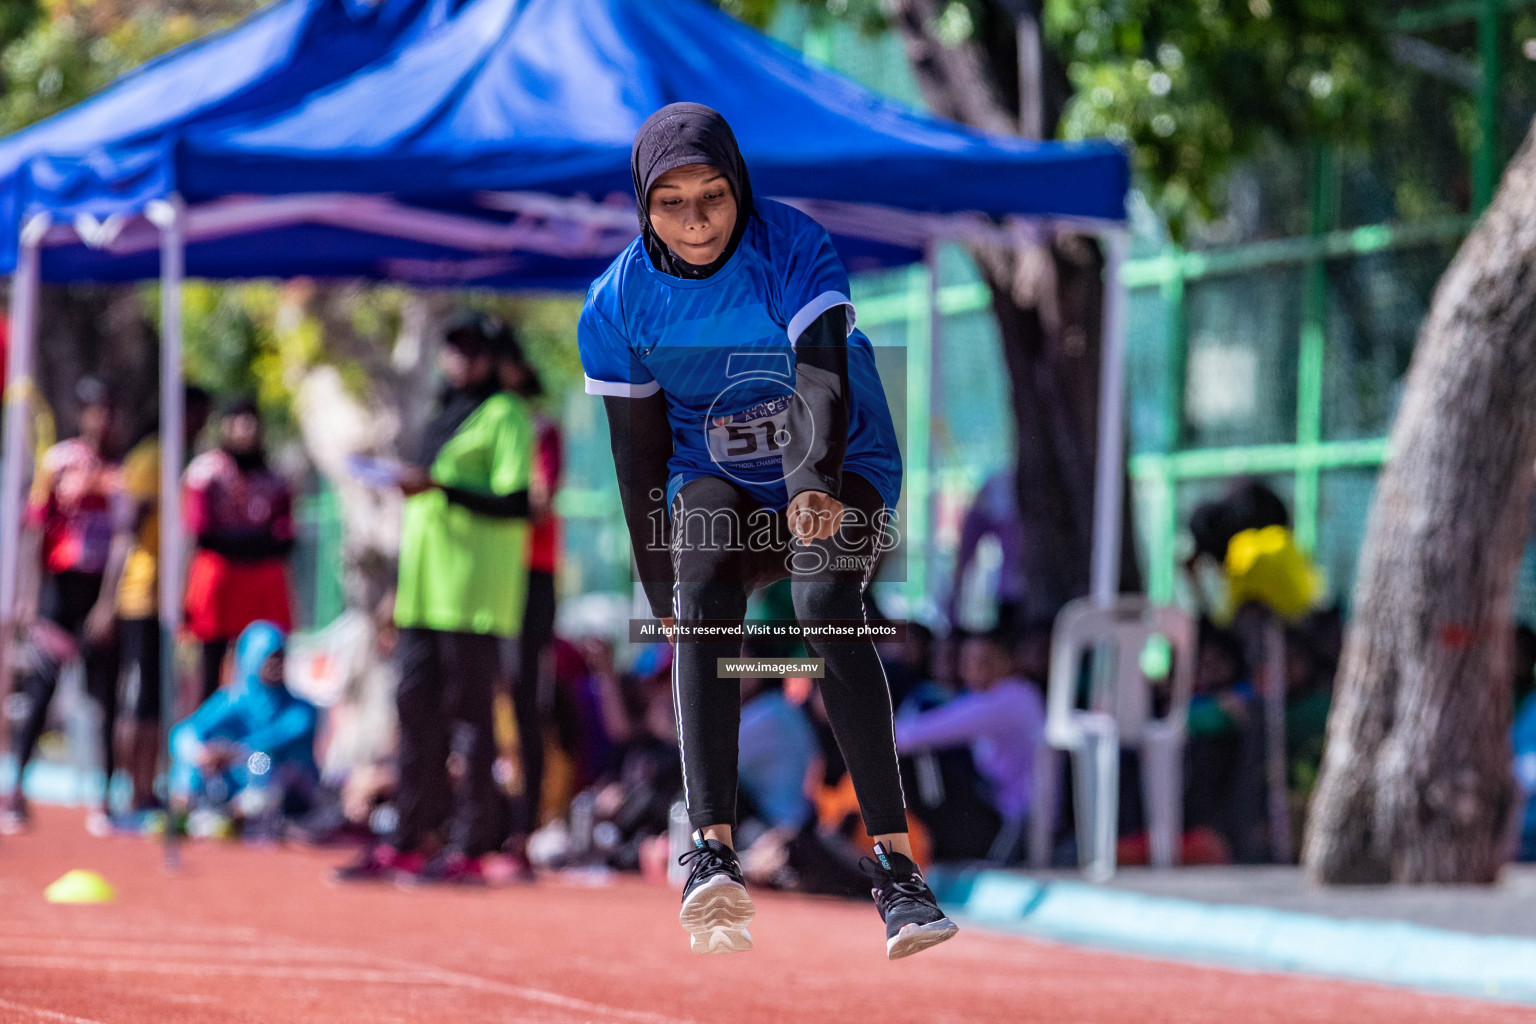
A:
(693, 209)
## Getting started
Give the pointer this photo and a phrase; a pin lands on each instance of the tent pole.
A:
(18, 395)
(1109, 493)
(169, 216)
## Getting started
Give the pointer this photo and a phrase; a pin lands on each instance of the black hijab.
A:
(675, 136)
(472, 332)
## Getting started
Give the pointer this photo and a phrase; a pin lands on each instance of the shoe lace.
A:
(891, 892)
(704, 861)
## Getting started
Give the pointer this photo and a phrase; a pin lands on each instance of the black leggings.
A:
(140, 639)
(531, 698)
(446, 679)
(724, 544)
(67, 599)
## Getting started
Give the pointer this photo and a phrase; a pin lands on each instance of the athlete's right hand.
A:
(814, 515)
(666, 629)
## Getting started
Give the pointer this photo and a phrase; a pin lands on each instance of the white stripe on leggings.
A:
(869, 575)
(677, 702)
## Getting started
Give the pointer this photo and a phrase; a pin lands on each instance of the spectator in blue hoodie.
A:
(250, 748)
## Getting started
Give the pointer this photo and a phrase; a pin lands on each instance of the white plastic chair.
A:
(1119, 714)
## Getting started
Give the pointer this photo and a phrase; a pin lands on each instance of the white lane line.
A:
(39, 1013)
(293, 973)
(107, 930)
(538, 995)
(398, 971)
(391, 972)
(172, 950)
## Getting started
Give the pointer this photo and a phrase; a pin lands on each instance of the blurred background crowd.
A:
(574, 765)
(1283, 257)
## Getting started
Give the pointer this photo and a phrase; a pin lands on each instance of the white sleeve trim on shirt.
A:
(621, 389)
(813, 309)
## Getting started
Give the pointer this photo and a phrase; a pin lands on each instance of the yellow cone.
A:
(80, 886)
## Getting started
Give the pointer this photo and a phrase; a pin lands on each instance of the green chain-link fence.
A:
(1279, 357)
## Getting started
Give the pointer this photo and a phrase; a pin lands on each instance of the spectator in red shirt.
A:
(241, 513)
(531, 698)
(70, 515)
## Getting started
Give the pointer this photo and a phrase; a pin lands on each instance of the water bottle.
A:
(680, 838)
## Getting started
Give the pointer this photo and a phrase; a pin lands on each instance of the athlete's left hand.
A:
(814, 515)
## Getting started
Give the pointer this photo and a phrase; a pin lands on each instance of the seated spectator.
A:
(1524, 683)
(1245, 553)
(248, 751)
(944, 790)
(582, 748)
(777, 748)
(1308, 698)
(1000, 717)
(909, 663)
(631, 800)
(1221, 709)
(1523, 739)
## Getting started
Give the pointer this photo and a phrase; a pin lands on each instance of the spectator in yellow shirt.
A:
(130, 596)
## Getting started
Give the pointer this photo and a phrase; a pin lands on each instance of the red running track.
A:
(256, 935)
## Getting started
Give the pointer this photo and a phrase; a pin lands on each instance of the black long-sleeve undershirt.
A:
(496, 506)
(818, 422)
(641, 438)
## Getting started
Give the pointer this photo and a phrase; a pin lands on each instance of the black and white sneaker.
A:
(716, 907)
(913, 920)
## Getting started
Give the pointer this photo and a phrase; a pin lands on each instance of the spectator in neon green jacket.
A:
(462, 587)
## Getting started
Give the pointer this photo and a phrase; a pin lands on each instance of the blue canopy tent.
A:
(101, 163)
(106, 156)
(487, 144)
(512, 120)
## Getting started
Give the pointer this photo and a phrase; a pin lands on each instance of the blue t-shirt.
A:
(722, 350)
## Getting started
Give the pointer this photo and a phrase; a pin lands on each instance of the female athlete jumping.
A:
(753, 442)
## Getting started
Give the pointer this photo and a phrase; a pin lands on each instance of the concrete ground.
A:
(1508, 908)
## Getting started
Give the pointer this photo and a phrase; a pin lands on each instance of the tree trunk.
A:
(336, 421)
(101, 331)
(1416, 783)
(374, 406)
(1048, 301)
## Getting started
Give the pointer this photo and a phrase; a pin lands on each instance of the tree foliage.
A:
(1197, 87)
(58, 52)
(240, 338)
(1194, 88)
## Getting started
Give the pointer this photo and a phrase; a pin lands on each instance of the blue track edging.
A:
(1361, 949)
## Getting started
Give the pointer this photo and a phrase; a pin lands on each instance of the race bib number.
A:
(753, 437)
